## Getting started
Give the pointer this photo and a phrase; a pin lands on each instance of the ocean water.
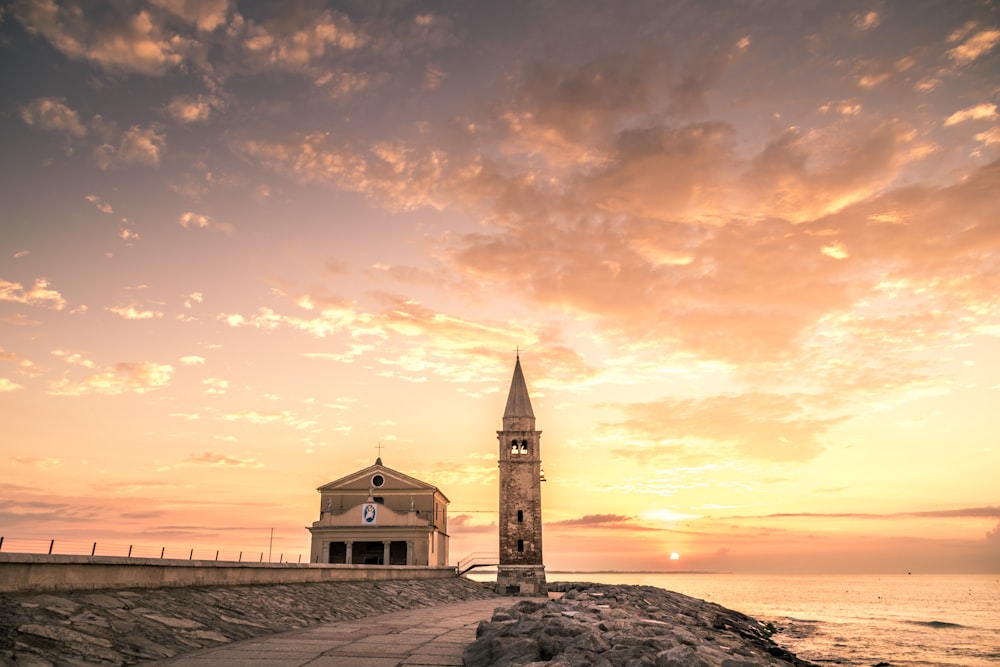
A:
(904, 620)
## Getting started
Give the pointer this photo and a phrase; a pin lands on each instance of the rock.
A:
(633, 626)
(678, 656)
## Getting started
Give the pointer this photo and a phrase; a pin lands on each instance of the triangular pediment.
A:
(362, 481)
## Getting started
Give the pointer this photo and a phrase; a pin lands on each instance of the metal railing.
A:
(77, 548)
(477, 559)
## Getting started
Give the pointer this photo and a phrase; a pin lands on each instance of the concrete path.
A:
(427, 636)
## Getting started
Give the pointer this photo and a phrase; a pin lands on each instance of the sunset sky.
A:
(749, 253)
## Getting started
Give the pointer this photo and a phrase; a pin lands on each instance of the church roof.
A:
(360, 480)
(518, 403)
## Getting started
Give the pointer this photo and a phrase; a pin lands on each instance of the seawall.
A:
(25, 573)
(123, 627)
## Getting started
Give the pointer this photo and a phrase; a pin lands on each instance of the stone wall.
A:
(32, 572)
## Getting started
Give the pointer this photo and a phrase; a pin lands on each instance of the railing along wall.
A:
(79, 548)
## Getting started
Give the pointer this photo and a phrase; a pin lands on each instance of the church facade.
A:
(380, 516)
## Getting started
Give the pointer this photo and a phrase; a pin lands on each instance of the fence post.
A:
(1, 542)
(162, 551)
(280, 556)
(93, 549)
(191, 555)
(51, 544)
(261, 556)
(216, 554)
(300, 559)
(130, 551)
(239, 560)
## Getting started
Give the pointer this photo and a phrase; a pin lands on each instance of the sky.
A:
(748, 252)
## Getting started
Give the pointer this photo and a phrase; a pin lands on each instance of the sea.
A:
(903, 620)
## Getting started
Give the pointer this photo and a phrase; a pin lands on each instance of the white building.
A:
(379, 516)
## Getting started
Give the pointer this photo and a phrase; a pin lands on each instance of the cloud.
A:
(193, 108)
(192, 360)
(101, 205)
(285, 418)
(215, 386)
(986, 512)
(466, 524)
(135, 312)
(297, 45)
(191, 220)
(47, 463)
(138, 377)
(867, 21)
(973, 44)
(207, 15)
(74, 358)
(990, 136)
(978, 112)
(343, 84)
(401, 175)
(7, 385)
(615, 521)
(51, 113)
(137, 146)
(220, 461)
(38, 295)
(120, 40)
(756, 425)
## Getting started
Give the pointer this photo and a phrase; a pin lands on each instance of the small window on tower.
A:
(520, 516)
(513, 446)
(520, 546)
(524, 446)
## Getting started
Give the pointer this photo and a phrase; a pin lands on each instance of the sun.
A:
(675, 556)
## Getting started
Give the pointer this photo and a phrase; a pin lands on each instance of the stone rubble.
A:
(123, 627)
(595, 625)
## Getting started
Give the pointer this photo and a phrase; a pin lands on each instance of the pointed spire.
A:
(518, 403)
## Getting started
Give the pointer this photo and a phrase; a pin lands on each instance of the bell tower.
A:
(521, 570)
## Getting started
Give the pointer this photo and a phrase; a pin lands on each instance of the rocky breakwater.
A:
(123, 627)
(595, 625)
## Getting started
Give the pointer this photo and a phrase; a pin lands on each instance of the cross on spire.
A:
(379, 446)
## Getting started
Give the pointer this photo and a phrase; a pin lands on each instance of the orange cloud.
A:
(128, 41)
(221, 461)
(51, 113)
(762, 426)
(137, 377)
(38, 295)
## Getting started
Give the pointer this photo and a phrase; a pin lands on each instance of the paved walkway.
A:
(426, 636)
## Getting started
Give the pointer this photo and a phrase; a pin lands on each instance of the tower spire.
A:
(518, 401)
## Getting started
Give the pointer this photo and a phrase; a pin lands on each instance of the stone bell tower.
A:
(521, 571)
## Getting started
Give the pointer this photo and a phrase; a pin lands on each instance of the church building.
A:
(379, 516)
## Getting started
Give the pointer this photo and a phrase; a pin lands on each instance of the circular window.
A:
(378, 480)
